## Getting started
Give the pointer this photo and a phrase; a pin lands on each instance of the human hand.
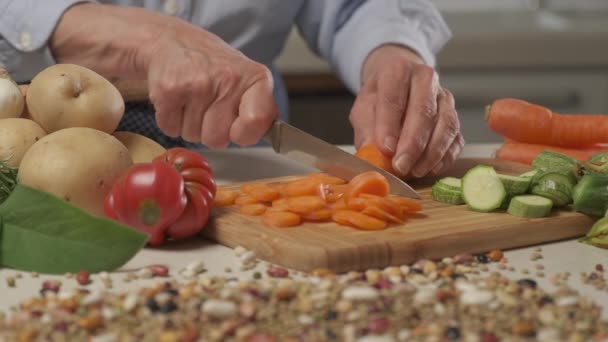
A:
(206, 91)
(402, 109)
(202, 89)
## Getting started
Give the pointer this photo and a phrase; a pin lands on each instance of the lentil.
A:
(83, 277)
(10, 281)
(351, 307)
(495, 255)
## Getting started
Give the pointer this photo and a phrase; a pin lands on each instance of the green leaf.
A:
(45, 234)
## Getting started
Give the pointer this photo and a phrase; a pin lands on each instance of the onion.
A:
(11, 100)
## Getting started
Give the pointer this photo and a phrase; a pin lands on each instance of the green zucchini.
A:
(555, 186)
(529, 174)
(597, 163)
(448, 190)
(530, 206)
(482, 190)
(551, 161)
(514, 185)
(590, 195)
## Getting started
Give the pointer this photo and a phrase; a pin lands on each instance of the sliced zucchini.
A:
(550, 161)
(451, 183)
(590, 195)
(442, 194)
(530, 206)
(529, 174)
(482, 190)
(554, 186)
(514, 185)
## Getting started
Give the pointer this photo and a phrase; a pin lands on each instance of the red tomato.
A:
(148, 197)
(200, 190)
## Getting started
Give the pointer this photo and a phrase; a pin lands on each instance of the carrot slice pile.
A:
(363, 203)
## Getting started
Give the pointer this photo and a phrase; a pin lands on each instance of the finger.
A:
(256, 112)
(362, 117)
(215, 131)
(420, 119)
(166, 95)
(450, 156)
(444, 133)
(192, 122)
(393, 88)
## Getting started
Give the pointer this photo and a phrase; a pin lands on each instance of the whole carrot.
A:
(531, 123)
(525, 153)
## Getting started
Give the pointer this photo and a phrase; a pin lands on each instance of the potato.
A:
(76, 164)
(68, 95)
(17, 135)
(141, 148)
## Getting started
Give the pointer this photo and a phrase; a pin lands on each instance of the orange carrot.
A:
(327, 179)
(280, 203)
(356, 219)
(525, 153)
(534, 124)
(245, 199)
(378, 213)
(355, 203)
(331, 192)
(248, 187)
(302, 187)
(224, 197)
(281, 219)
(318, 215)
(370, 182)
(339, 205)
(374, 156)
(384, 203)
(305, 204)
(407, 204)
(254, 209)
(265, 193)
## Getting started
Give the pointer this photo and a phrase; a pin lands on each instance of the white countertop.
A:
(246, 164)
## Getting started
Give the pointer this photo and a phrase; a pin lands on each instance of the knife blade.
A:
(309, 150)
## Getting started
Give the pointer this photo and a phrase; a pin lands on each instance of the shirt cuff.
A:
(419, 27)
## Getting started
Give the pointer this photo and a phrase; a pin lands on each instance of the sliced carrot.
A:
(370, 182)
(320, 215)
(356, 203)
(281, 219)
(305, 204)
(358, 220)
(374, 156)
(327, 179)
(378, 213)
(339, 205)
(248, 187)
(332, 192)
(254, 209)
(281, 204)
(265, 193)
(302, 187)
(384, 203)
(224, 197)
(407, 203)
(245, 199)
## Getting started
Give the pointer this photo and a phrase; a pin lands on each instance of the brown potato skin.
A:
(78, 165)
(69, 95)
(17, 135)
(141, 148)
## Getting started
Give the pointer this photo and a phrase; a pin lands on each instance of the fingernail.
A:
(403, 164)
(390, 143)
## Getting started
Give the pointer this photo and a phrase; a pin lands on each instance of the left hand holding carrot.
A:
(403, 110)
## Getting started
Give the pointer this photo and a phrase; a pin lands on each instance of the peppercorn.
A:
(152, 305)
(482, 258)
(527, 282)
(331, 315)
(169, 306)
(452, 333)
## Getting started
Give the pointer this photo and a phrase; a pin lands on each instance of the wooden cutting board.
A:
(440, 230)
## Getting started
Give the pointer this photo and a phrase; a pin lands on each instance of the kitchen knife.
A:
(307, 149)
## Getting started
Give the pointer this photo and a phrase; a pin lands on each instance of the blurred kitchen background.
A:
(551, 52)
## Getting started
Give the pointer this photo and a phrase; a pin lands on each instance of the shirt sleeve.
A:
(344, 32)
(25, 28)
